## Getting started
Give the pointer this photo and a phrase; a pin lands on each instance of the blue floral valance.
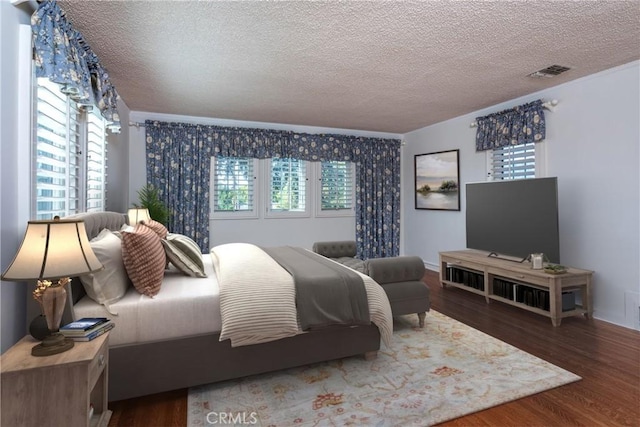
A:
(519, 125)
(64, 57)
(178, 165)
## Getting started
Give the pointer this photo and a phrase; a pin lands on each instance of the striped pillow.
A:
(156, 226)
(185, 254)
(144, 259)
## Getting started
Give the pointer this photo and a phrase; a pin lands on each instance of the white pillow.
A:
(185, 254)
(111, 283)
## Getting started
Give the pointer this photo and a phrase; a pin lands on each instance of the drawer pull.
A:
(101, 360)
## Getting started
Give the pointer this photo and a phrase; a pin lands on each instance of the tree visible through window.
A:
(233, 184)
(337, 186)
(288, 185)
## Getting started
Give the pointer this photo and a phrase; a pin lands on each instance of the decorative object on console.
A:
(536, 261)
(53, 249)
(555, 269)
(437, 180)
(137, 215)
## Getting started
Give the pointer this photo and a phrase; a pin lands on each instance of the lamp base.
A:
(52, 344)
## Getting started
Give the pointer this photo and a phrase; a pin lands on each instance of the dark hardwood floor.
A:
(606, 356)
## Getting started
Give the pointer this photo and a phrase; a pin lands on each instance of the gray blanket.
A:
(327, 293)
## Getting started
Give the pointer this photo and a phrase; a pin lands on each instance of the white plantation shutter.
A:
(96, 162)
(233, 187)
(513, 162)
(57, 153)
(288, 185)
(336, 186)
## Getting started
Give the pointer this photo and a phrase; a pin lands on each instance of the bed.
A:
(155, 347)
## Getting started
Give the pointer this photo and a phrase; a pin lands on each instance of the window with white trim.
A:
(336, 188)
(280, 188)
(69, 155)
(96, 162)
(233, 182)
(515, 161)
(287, 187)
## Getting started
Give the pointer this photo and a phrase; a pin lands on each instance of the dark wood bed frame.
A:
(154, 367)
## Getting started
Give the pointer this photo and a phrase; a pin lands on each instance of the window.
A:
(336, 188)
(233, 186)
(57, 153)
(96, 162)
(66, 180)
(287, 187)
(280, 188)
(514, 162)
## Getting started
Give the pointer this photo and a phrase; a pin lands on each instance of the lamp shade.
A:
(138, 214)
(53, 249)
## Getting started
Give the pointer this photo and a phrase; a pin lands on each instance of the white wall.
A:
(592, 146)
(118, 164)
(12, 206)
(262, 231)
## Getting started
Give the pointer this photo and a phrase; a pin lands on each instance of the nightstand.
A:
(56, 390)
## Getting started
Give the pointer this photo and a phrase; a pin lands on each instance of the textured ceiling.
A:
(377, 66)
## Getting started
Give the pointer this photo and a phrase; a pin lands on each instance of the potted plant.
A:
(150, 199)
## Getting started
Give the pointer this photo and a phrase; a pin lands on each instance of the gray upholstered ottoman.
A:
(401, 278)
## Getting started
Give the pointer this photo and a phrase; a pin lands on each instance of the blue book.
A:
(84, 324)
(95, 334)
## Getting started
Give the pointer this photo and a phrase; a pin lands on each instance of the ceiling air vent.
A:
(548, 72)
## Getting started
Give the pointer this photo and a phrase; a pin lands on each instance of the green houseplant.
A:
(150, 199)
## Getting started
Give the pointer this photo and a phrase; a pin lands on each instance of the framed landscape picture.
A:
(438, 180)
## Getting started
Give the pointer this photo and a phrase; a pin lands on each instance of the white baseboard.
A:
(632, 309)
(432, 267)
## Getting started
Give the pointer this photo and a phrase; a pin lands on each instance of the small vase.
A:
(53, 301)
(38, 328)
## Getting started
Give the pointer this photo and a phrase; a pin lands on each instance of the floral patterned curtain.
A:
(377, 199)
(63, 56)
(178, 164)
(519, 125)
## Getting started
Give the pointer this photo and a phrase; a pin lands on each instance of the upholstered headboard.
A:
(94, 222)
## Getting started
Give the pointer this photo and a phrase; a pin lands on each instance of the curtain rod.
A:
(548, 105)
(136, 124)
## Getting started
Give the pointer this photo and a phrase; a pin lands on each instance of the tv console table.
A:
(517, 284)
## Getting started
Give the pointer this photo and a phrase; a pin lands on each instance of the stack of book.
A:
(87, 328)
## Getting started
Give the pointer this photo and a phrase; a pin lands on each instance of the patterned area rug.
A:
(431, 375)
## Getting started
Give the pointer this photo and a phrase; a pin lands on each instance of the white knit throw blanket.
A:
(257, 297)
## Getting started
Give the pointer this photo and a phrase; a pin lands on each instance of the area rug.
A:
(430, 375)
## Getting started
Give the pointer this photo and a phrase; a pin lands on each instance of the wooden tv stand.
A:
(516, 283)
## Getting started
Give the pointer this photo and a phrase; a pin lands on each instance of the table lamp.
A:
(51, 252)
(137, 215)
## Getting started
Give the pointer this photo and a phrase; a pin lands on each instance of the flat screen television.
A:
(514, 217)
